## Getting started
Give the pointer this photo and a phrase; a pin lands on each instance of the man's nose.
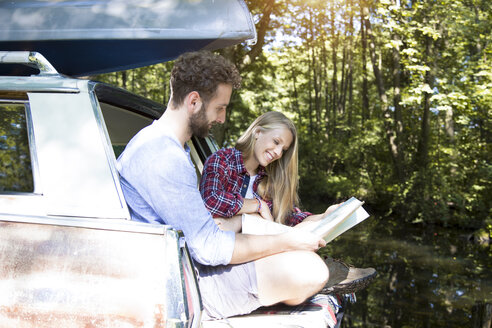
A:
(221, 118)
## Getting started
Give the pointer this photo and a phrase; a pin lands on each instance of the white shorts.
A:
(228, 290)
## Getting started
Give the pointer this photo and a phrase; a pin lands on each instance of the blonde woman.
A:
(259, 175)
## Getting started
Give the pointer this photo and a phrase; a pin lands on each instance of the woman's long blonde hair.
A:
(281, 183)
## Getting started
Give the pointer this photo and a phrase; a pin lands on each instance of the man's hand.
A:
(298, 239)
(229, 224)
(253, 247)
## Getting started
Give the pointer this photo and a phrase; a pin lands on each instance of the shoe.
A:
(346, 279)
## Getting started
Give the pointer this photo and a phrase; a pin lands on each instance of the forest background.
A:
(392, 101)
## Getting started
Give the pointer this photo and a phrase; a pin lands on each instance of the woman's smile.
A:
(269, 157)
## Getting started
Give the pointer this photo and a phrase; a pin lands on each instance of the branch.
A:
(261, 30)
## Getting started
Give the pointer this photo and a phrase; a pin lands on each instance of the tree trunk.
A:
(261, 29)
(165, 86)
(487, 316)
(124, 79)
(327, 94)
(296, 108)
(350, 67)
(365, 91)
(310, 95)
(423, 143)
(398, 115)
(387, 115)
(343, 83)
(133, 81)
(449, 124)
(334, 78)
(482, 315)
(316, 87)
(350, 98)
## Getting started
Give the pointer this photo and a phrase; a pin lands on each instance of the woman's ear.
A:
(257, 132)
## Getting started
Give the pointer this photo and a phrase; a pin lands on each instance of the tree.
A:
(394, 109)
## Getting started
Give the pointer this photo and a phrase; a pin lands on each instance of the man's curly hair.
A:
(201, 71)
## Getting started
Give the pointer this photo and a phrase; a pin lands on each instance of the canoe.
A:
(87, 37)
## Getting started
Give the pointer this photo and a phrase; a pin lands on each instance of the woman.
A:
(259, 175)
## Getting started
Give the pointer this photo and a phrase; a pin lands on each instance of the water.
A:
(427, 276)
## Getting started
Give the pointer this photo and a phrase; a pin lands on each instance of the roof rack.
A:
(28, 58)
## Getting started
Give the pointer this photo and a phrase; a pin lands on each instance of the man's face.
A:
(212, 112)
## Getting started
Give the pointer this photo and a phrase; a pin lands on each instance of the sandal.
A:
(346, 279)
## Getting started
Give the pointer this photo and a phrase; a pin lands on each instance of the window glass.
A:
(118, 149)
(15, 158)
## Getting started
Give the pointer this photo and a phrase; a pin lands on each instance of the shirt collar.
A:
(261, 171)
(240, 164)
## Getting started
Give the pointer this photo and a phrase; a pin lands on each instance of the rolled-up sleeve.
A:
(219, 201)
(296, 217)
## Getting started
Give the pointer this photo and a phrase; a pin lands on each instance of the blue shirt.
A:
(159, 182)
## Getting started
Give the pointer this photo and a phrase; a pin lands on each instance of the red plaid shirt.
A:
(223, 176)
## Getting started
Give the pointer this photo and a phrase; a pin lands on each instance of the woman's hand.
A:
(256, 205)
(332, 208)
(308, 221)
(265, 211)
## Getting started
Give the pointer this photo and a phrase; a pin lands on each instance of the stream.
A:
(427, 276)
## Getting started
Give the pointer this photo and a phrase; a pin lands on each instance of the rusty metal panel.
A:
(58, 276)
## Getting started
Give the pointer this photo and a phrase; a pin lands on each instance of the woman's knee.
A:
(310, 277)
(290, 277)
(308, 270)
(316, 270)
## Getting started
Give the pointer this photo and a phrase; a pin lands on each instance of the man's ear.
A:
(193, 102)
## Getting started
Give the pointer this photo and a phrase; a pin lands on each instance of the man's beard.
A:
(199, 125)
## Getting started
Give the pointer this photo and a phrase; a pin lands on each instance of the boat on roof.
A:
(87, 37)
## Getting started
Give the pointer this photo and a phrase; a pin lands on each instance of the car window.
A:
(15, 170)
(122, 125)
(126, 114)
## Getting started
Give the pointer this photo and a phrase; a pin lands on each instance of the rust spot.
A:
(160, 316)
(16, 316)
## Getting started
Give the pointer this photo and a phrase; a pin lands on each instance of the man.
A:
(237, 273)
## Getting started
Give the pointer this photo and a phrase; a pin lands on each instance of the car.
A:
(69, 254)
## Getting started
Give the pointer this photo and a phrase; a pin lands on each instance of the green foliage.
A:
(151, 82)
(418, 147)
(15, 173)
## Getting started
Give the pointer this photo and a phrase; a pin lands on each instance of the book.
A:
(343, 218)
(347, 215)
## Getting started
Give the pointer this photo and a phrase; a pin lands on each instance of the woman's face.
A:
(270, 145)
